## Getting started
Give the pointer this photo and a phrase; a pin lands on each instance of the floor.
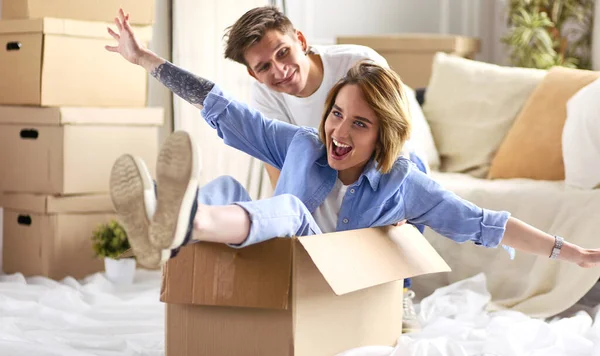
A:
(42, 317)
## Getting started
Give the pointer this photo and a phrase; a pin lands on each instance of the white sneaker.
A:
(133, 196)
(177, 170)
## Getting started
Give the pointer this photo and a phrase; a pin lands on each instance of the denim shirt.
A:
(375, 199)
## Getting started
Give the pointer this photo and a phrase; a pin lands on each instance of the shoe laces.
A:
(408, 306)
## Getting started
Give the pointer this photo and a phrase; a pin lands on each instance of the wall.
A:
(596, 38)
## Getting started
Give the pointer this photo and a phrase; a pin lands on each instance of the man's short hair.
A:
(251, 28)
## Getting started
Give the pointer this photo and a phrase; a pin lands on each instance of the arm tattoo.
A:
(188, 86)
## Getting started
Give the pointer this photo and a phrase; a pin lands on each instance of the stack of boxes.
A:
(68, 109)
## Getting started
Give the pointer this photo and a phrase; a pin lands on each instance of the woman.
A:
(346, 176)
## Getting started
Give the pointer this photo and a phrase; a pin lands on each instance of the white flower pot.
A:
(120, 271)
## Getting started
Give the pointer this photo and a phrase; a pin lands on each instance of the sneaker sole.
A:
(127, 189)
(177, 170)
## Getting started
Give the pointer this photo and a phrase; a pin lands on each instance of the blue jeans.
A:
(283, 215)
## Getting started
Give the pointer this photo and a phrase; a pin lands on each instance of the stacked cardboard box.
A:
(411, 55)
(68, 109)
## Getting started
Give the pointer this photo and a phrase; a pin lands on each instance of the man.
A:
(293, 80)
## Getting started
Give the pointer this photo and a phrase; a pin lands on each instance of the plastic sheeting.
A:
(456, 324)
(42, 317)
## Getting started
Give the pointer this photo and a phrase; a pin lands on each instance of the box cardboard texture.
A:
(141, 11)
(58, 62)
(62, 150)
(51, 236)
(307, 296)
(411, 55)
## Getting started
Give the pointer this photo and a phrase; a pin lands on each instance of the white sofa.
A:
(471, 111)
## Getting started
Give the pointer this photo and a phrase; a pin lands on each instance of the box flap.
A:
(358, 259)
(26, 115)
(414, 42)
(112, 116)
(256, 276)
(45, 204)
(67, 27)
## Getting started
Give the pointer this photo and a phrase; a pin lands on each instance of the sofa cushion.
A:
(581, 138)
(470, 106)
(532, 148)
(534, 285)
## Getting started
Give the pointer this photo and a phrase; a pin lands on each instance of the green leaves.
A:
(110, 240)
(547, 33)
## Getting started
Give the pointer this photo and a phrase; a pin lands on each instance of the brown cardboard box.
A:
(142, 11)
(71, 150)
(56, 62)
(411, 55)
(308, 296)
(51, 236)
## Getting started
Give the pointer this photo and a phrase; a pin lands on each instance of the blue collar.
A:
(370, 171)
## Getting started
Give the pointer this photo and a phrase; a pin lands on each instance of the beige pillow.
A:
(421, 140)
(470, 106)
(581, 138)
(532, 148)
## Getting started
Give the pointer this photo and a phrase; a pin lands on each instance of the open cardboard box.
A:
(306, 296)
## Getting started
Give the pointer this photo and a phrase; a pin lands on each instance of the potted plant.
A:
(547, 33)
(109, 241)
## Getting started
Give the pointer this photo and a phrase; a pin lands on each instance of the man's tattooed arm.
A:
(188, 86)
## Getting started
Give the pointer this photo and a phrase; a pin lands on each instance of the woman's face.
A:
(351, 132)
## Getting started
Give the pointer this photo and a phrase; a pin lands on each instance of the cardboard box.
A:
(411, 55)
(142, 11)
(56, 62)
(51, 236)
(307, 296)
(71, 150)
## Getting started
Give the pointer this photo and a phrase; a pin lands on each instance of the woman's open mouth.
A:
(339, 150)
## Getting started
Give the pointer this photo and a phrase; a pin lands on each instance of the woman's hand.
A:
(128, 46)
(589, 258)
(400, 223)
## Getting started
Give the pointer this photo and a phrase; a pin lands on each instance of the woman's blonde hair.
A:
(384, 92)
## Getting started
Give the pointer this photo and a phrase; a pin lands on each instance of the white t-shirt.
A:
(337, 60)
(327, 213)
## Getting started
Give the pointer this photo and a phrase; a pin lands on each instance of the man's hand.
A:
(128, 46)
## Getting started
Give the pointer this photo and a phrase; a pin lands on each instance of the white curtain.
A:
(198, 28)
(158, 94)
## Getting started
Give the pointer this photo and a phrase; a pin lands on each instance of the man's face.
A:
(279, 61)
